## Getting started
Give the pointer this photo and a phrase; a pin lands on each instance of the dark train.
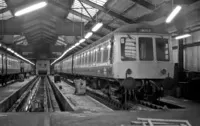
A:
(136, 57)
(11, 67)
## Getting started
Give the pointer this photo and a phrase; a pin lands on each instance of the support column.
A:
(180, 61)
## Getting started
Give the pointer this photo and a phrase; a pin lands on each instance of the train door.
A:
(1, 63)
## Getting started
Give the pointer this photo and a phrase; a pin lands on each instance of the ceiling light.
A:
(182, 36)
(88, 35)
(77, 44)
(31, 8)
(173, 14)
(97, 27)
(82, 40)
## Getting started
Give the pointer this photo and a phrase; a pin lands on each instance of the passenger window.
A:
(95, 55)
(82, 59)
(162, 49)
(79, 59)
(146, 48)
(90, 57)
(85, 58)
(99, 54)
(105, 52)
(128, 48)
(0, 60)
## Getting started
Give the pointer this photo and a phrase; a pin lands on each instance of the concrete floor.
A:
(80, 103)
(11, 88)
(89, 118)
(101, 118)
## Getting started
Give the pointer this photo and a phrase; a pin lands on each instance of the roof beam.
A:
(157, 13)
(85, 9)
(105, 10)
(80, 15)
(89, 19)
(145, 4)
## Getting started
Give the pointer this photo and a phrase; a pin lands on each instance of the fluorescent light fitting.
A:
(97, 26)
(82, 40)
(173, 14)
(77, 44)
(88, 35)
(31, 8)
(182, 36)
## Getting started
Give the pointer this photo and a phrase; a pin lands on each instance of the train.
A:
(11, 67)
(135, 58)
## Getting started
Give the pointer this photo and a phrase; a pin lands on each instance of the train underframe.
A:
(7, 78)
(124, 89)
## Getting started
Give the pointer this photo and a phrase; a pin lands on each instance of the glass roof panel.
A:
(92, 11)
(6, 15)
(75, 18)
(2, 4)
(99, 2)
(79, 8)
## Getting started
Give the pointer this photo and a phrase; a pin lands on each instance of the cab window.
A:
(128, 48)
(162, 49)
(146, 48)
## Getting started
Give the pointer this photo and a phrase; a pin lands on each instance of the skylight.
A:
(6, 15)
(92, 11)
(3, 4)
(99, 2)
(75, 18)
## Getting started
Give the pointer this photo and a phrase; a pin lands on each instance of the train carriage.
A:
(11, 67)
(140, 52)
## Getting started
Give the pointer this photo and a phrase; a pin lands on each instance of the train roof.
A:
(131, 28)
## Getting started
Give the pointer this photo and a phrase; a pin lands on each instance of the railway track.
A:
(39, 97)
(114, 104)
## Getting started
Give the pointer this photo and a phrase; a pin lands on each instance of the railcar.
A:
(11, 67)
(136, 56)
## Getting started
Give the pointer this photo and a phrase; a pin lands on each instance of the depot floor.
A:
(115, 118)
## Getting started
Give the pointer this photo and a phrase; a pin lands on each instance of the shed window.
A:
(162, 49)
(146, 48)
(128, 49)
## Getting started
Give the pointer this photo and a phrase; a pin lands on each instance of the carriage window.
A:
(94, 55)
(162, 49)
(91, 57)
(128, 49)
(99, 54)
(146, 48)
(82, 59)
(0, 60)
(105, 53)
(85, 58)
(79, 59)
